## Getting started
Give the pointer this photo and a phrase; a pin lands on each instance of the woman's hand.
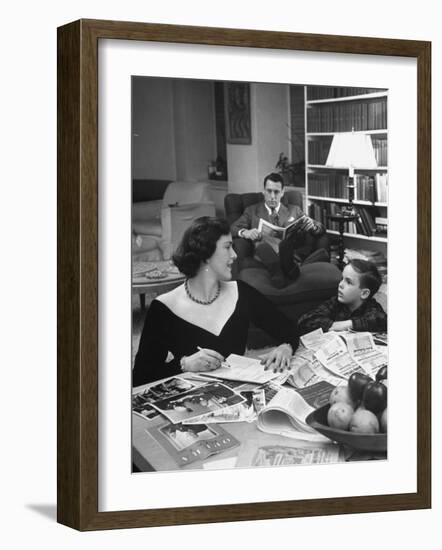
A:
(202, 360)
(278, 359)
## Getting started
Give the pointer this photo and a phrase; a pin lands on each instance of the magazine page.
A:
(358, 343)
(316, 339)
(255, 455)
(341, 364)
(330, 349)
(171, 387)
(285, 415)
(243, 412)
(372, 361)
(244, 369)
(316, 395)
(205, 399)
(363, 349)
(186, 444)
(306, 370)
(267, 229)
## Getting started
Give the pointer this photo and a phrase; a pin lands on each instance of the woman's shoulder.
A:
(171, 298)
(244, 288)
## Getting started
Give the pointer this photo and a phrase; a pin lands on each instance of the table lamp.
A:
(351, 150)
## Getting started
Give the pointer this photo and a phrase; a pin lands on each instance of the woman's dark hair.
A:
(199, 243)
(369, 276)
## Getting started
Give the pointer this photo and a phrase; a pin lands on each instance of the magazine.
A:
(334, 357)
(268, 229)
(362, 348)
(142, 401)
(283, 455)
(188, 443)
(247, 411)
(306, 370)
(285, 415)
(244, 369)
(198, 401)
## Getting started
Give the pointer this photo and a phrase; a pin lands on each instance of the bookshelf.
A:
(330, 111)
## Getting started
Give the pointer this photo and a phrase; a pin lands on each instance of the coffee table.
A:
(144, 280)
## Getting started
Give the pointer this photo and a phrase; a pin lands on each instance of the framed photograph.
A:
(162, 126)
(238, 113)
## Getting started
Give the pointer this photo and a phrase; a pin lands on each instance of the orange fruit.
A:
(364, 422)
(341, 394)
(339, 415)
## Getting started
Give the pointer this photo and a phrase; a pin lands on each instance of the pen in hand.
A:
(223, 364)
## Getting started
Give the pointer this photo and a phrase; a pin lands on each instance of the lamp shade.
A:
(351, 150)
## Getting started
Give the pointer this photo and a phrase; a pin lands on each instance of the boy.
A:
(354, 306)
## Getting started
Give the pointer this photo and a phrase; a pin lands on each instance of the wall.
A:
(249, 164)
(153, 153)
(173, 128)
(28, 350)
(194, 120)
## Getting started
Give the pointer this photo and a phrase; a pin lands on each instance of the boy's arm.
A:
(374, 319)
(320, 317)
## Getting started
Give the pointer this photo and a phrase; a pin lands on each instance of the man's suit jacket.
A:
(252, 214)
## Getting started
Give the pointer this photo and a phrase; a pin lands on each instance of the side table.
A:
(168, 279)
(342, 220)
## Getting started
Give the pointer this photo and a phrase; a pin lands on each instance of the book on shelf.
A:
(368, 226)
(318, 149)
(333, 185)
(381, 186)
(330, 92)
(357, 115)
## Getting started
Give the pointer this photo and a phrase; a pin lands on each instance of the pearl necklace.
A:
(201, 302)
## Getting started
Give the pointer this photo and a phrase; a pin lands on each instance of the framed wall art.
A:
(162, 126)
(238, 113)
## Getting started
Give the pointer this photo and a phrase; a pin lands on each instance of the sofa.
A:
(159, 222)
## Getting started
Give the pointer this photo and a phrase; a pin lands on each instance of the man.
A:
(308, 244)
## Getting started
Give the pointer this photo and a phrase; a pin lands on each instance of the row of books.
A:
(330, 92)
(334, 185)
(347, 116)
(365, 224)
(318, 150)
(380, 150)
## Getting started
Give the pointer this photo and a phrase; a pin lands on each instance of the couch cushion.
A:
(184, 192)
(317, 281)
(148, 227)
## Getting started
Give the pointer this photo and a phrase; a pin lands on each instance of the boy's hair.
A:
(369, 276)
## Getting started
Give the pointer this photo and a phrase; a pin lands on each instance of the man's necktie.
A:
(274, 218)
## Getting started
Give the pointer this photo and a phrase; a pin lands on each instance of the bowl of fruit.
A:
(356, 414)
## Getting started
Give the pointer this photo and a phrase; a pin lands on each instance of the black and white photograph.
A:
(260, 231)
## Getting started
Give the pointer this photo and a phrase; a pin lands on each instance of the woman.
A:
(204, 320)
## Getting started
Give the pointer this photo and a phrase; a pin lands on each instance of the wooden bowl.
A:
(361, 442)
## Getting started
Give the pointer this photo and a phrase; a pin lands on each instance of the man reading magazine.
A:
(283, 238)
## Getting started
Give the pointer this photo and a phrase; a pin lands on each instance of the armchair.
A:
(157, 226)
(317, 281)
(235, 204)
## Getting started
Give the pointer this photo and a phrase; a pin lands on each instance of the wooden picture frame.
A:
(77, 223)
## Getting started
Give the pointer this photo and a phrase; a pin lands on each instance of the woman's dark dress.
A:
(164, 331)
